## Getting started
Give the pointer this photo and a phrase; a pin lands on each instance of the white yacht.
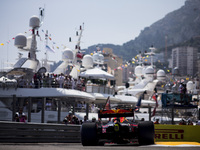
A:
(47, 104)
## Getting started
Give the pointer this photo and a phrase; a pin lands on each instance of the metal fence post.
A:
(149, 113)
(29, 108)
(14, 108)
(59, 110)
(43, 109)
(87, 110)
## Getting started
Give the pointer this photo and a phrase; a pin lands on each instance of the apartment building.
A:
(112, 63)
(185, 59)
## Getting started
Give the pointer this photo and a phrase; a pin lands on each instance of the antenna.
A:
(41, 14)
(46, 40)
(80, 35)
(152, 49)
(77, 46)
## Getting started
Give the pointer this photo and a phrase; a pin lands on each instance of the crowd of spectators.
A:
(72, 119)
(52, 81)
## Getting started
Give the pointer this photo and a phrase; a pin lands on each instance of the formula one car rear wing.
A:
(116, 113)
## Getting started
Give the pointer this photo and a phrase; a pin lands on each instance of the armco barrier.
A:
(16, 132)
(188, 133)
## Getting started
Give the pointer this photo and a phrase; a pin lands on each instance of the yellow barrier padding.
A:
(188, 133)
(177, 143)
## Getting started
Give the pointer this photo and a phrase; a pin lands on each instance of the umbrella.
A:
(96, 73)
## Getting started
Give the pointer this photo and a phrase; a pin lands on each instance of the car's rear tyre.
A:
(89, 134)
(146, 133)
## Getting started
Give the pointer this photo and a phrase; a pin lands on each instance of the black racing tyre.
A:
(146, 133)
(89, 134)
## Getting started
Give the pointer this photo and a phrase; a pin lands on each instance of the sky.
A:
(105, 21)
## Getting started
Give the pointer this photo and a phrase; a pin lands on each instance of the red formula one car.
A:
(119, 130)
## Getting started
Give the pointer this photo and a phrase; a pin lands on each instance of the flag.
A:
(137, 107)
(155, 98)
(154, 112)
(139, 101)
(49, 49)
(79, 55)
(107, 106)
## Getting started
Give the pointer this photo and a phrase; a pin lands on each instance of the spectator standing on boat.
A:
(93, 119)
(61, 79)
(182, 122)
(48, 80)
(157, 121)
(54, 81)
(189, 122)
(39, 78)
(65, 82)
(21, 82)
(78, 84)
(73, 83)
(79, 105)
(93, 107)
(69, 83)
(65, 120)
(83, 106)
(20, 116)
(69, 119)
(184, 89)
(35, 80)
(44, 81)
(75, 120)
(51, 77)
(180, 89)
(85, 119)
(48, 105)
(83, 84)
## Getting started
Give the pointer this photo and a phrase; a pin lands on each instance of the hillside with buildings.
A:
(178, 27)
(176, 38)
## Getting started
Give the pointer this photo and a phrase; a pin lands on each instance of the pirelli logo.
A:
(169, 134)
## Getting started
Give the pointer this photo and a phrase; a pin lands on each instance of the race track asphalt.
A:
(78, 146)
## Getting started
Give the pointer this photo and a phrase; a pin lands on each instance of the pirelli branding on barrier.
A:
(170, 134)
(177, 133)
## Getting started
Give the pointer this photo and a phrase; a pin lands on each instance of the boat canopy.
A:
(48, 92)
(96, 73)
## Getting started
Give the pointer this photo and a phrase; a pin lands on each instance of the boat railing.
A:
(93, 88)
(14, 85)
(90, 88)
(8, 85)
